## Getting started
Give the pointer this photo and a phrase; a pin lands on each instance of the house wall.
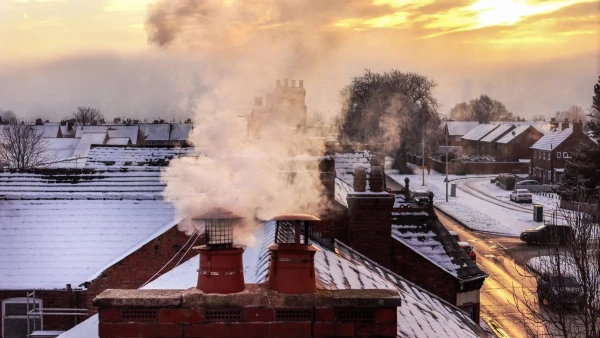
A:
(478, 167)
(519, 147)
(52, 299)
(414, 267)
(134, 270)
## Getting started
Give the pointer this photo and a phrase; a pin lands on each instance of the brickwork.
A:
(135, 269)
(308, 315)
(370, 225)
(53, 299)
(474, 167)
(412, 266)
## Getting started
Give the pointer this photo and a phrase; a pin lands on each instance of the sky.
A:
(179, 58)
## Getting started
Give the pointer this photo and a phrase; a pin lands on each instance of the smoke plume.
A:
(243, 51)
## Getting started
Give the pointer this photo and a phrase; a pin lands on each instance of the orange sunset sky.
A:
(179, 58)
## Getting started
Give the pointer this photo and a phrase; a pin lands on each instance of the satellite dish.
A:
(513, 133)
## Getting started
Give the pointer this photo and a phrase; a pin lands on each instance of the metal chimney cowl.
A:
(221, 265)
(292, 269)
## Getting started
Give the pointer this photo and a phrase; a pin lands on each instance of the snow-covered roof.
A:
(133, 158)
(86, 141)
(121, 141)
(47, 130)
(431, 240)
(479, 132)
(552, 140)
(61, 148)
(64, 129)
(46, 244)
(460, 128)
(497, 133)
(113, 131)
(347, 162)
(513, 133)
(155, 131)
(180, 131)
(421, 314)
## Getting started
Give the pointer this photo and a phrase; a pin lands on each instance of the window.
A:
(457, 138)
(558, 154)
(14, 317)
(566, 155)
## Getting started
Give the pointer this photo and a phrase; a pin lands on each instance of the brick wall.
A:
(412, 266)
(370, 225)
(481, 167)
(53, 299)
(135, 269)
(239, 315)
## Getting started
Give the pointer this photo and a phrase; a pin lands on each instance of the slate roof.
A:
(61, 227)
(113, 131)
(180, 131)
(47, 130)
(86, 141)
(344, 170)
(155, 131)
(121, 141)
(133, 158)
(552, 140)
(479, 132)
(513, 133)
(460, 128)
(61, 148)
(421, 314)
(497, 133)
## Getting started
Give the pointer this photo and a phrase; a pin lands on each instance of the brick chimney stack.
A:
(578, 127)
(565, 124)
(221, 267)
(292, 268)
(370, 219)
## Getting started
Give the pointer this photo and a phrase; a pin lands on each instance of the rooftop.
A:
(460, 128)
(552, 140)
(513, 133)
(497, 133)
(479, 132)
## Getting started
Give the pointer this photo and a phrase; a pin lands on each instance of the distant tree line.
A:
(483, 110)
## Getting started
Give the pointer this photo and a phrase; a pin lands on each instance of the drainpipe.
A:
(551, 165)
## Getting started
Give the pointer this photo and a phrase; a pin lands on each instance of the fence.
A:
(576, 206)
(481, 168)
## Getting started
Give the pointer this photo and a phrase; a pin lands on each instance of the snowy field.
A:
(479, 204)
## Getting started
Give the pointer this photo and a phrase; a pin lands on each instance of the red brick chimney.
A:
(370, 220)
(292, 268)
(221, 268)
(578, 127)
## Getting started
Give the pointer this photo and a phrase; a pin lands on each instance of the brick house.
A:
(67, 235)
(488, 143)
(551, 152)
(516, 144)
(395, 221)
(455, 130)
(471, 141)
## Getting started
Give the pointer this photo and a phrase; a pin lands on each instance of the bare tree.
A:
(574, 113)
(538, 117)
(88, 116)
(7, 116)
(22, 146)
(568, 279)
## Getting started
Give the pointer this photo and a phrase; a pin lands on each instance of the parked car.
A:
(421, 195)
(455, 235)
(525, 183)
(559, 290)
(469, 250)
(521, 195)
(548, 234)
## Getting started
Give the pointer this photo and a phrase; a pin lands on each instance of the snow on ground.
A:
(477, 212)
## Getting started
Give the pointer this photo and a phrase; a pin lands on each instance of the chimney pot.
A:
(376, 179)
(292, 268)
(360, 179)
(406, 188)
(285, 82)
(301, 83)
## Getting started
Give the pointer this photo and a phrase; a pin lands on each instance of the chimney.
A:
(293, 83)
(221, 268)
(553, 123)
(565, 124)
(406, 189)
(301, 83)
(258, 101)
(360, 179)
(376, 179)
(292, 269)
(69, 125)
(369, 222)
(278, 83)
(578, 127)
(285, 82)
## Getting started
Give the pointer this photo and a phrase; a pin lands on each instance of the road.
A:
(499, 257)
